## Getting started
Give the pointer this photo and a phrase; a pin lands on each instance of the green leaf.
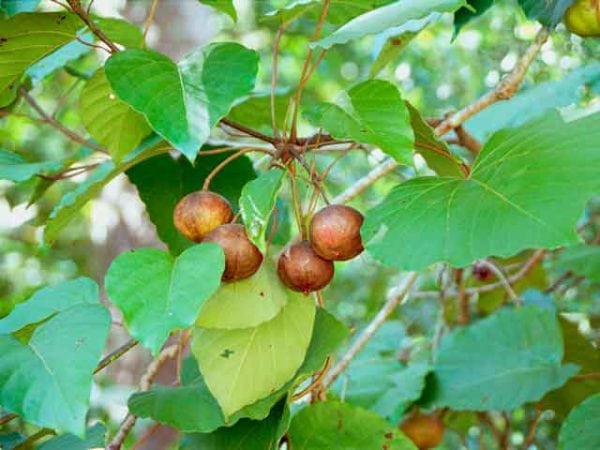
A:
(13, 7)
(53, 30)
(343, 426)
(583, 260)
(54, 368)
(225, 6)
(245, 303)
(121, 31)
(581, 430)
(502, 208)
(244, 365)
(255, 112)
(14, 167)
(58, 59)
(510, 358)
(548, 12)
(109, 120)
(464, 15)
(95, 437)
(183, 102)
(163, 181)
(158, 294)
(393, 15)
(72, 202)
(49, 301)
(246, 434)
(257, 202)
(578, 350)
(379, 117)
(433, 149)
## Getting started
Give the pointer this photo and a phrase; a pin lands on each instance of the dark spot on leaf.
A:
(261, 293)
(388, 435)
(340, 424)
(227, 353)
(396, 41)
(385, 447)
(61, 19)
(3, 40)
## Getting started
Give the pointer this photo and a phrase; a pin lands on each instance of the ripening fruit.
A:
(583, 18)
(198, 213)
(335, 232)
(481, 272)
(426, 431)
(302, 270)
(242, 257)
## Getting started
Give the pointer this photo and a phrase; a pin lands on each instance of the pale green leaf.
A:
(110, 121)
(183, 102)
(158, 294)
(501, 362)
(502, 208)
(581, 430)
(14, 167)
(257, 202)
(329, 425)
(244, 365)
(48, 380)
(389, 16)
(48, 301)
(245, 303)
(378, 116)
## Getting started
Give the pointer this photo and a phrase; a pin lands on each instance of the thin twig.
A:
(274, 72)
(226, 161)
(530, 438)
(145, 384)
(115, 354)
(462, 297)
(7, 418)
(54, 123)
(150, 18)
(83, 15)
(361, 185)
(316, 381)
(249, 131)
(392, 302)
(506, 284)
(588, 376)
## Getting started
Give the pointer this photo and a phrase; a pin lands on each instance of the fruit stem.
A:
(223, 164)
(296, 200)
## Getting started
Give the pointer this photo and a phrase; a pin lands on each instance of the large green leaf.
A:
(95, 437)
(329, 425)
(389, 16)
(581, 430)
(244, 365)
(49, 301)
(378, 116)
(225, 6)
(257, 202)
(158, 293)
(48, 380)
(548, 12)
(502, 208)
(245, 303)
(246, 434)
(19, 47)
(14, 167)
(255, 112)
(72, 202)
(183, 102)
(112, 122)
(583, 260)
(163, 181)
(501, 362)
(578, 350)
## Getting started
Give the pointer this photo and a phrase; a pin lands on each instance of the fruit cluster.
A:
(303, 266)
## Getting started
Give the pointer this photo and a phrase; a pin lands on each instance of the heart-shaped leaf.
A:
(501, 362)
(183, 102)
(244, 365)
(581, 430)
(378, 116)
(245, 303)
(48, 379)
(158, 293)
(112, 122)
(502, 207)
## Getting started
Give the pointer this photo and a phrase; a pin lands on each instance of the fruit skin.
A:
(198, 213)
(426, 431)
(335, 232)
(302, 270)
(242, 257)
(583, 18)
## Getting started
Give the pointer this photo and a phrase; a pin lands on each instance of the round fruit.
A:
(481, 272)
(335, 232)
(198, 213)
(426, 431)
(242, 257)
(583, 18)
(302, 270)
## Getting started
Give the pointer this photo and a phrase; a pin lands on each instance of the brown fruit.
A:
(242, 257)
(302, 270)
(335, 232)
(426, 431)
(198, 213)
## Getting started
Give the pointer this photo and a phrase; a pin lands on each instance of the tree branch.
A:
(249, 131)
(361, 185)
(393, 301)
(83, 15)
(115, 354)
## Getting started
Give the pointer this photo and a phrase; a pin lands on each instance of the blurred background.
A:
(438, 72)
